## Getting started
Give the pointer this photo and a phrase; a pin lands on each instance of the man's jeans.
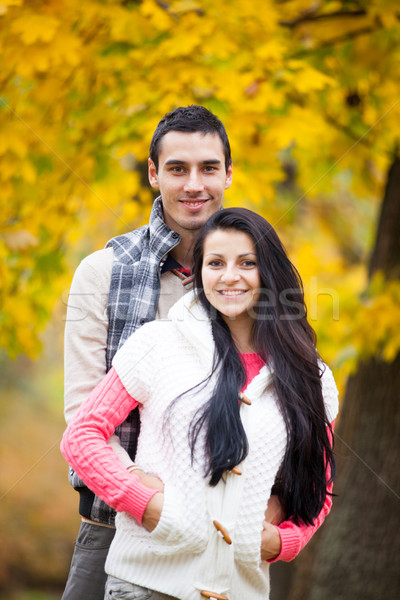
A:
(116, 589)
(87, 579)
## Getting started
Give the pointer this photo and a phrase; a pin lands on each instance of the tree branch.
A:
(347, 131)
(334, 41)
(312, 17)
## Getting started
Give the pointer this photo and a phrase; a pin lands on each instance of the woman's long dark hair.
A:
(284, 339)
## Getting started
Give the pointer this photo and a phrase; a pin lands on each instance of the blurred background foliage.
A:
(309, 94)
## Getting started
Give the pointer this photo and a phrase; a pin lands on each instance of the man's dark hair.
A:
(190, 119)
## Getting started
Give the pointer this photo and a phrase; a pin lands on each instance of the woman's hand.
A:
(270, 541)
(270, 538)
(152, 513)
(150, 481)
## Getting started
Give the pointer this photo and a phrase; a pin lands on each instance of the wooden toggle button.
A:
(207, 594)
(236, 470)
(224, 531)
(244, 399)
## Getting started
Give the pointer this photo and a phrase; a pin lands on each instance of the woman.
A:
(233, 402)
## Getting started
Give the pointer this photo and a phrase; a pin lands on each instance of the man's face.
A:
(191, 178)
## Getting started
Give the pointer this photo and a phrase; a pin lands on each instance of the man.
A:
(137, 278)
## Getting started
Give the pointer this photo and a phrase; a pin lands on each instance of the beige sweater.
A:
(86, 329)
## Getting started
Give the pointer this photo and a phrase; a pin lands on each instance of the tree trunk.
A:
(386, 254)
(356, 554)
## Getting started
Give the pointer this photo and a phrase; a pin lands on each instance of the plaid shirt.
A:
(132, 301)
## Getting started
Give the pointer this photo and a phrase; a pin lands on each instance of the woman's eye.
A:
(249, 263)
(214, 263)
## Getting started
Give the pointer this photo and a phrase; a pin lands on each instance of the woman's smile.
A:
(230, 275)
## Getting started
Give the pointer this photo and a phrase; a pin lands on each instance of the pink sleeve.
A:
(84, 446)
(295, 537)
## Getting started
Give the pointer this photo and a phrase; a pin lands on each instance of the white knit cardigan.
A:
(185, 553)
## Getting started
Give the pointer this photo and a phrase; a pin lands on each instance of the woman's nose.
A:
(230, 274)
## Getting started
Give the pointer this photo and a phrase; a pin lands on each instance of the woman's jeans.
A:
(116, 589)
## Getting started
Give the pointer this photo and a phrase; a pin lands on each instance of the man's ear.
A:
(228, 180)
(153, 179)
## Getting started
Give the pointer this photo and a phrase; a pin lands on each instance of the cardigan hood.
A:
(193, 322)
(194, 325)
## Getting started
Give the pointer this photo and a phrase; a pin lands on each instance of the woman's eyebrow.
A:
(239, 256)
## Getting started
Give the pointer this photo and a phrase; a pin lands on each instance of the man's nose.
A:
(194, 183)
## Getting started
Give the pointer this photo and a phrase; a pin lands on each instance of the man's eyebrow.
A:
(176, 161)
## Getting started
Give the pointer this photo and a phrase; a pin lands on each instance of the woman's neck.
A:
(242, 333)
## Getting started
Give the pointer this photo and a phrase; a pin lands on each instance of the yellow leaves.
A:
(305, 78)
(185, 6)
(6, 4)
(387, 11)
(33, 28)
(180, 44)
(368, 323)
(114, 190)
(20, 315)
(304, 127)
(158, 16)
(39, 40)
(272, 50)
(14, 149)
(376, 328)
(90, 80)
(12, 140)
(19, 311)
(63, 53)
(65, 47)
(45, 47)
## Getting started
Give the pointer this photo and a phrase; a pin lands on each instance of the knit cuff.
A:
(135, 503)
(290, 543)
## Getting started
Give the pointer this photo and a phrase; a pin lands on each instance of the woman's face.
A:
(231, 280)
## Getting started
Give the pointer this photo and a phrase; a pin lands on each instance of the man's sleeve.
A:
(86, 331)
